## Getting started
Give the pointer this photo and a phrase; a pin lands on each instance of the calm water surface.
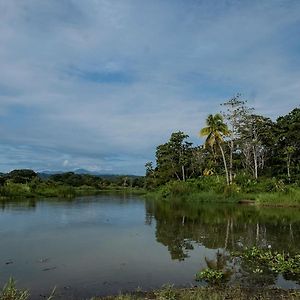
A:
(106, 244)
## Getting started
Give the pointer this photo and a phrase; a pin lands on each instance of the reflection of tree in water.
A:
(21, 204)
(231, 227)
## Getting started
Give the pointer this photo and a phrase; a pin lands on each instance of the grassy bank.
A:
(267, 192)
(208, 293)
(10, 292)
(44, 189)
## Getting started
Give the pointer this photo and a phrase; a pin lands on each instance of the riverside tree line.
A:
(238, 143)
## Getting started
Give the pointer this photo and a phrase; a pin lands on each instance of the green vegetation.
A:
(27, 183)
(245, 156)
(211, 276)
(208, 293)
(10, 292)
(262, 260)
(264, 191)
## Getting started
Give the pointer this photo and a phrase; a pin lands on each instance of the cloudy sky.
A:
(98, 84)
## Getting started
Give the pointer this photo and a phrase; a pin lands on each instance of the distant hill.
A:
(46, 174)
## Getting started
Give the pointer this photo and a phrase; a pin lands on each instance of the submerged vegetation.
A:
(245, 157)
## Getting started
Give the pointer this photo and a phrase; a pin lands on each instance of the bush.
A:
(11, 190)
(231, 190)
(210, 183)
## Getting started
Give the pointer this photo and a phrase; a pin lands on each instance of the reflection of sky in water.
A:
(100, 245)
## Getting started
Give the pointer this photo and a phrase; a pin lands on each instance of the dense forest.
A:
(241, 148)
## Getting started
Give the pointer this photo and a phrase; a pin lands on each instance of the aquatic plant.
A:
(211, 276)
(274, 261)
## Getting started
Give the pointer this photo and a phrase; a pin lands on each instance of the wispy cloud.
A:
(100, 83)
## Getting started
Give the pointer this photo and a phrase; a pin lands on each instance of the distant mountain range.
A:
(47, 173)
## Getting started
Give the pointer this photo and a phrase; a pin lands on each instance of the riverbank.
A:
(10, 292)
(208, 293)
(213, 189)
(29, 184)
(44, 190)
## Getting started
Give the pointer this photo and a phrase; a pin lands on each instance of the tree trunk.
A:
(255, 163)
(183, 172)
(288, 163)
(225, 164)
(231, 161)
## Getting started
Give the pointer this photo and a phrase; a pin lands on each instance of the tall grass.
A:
(214, 189)
(10, 292)
(289, 197)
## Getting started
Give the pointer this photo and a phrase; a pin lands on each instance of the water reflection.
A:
(227, 228)
(230, 227)
(101, 245)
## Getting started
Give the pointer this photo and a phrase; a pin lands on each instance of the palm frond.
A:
(205, 131)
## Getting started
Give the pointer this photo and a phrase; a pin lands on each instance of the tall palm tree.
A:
(215, 131)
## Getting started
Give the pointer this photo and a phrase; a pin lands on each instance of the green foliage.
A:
(232, 190)
(21, 176)
(11, 189)
(173, 159)
(211, 276)
(10, 292)
(274, 261)
(167, 292)
(26, 183)
(210, 183)
(257, 154)
(290, 196)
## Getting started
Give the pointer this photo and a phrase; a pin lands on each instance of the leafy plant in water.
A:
(211, 276)
(276, 262)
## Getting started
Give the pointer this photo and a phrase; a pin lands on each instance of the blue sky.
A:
(98, 84)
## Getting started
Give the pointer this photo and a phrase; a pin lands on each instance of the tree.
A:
(256, 135)
(287, 146)
(235, 115)
(173, 159)
(215, 131)
(289, 151)
(22, 175)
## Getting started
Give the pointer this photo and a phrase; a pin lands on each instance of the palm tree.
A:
(215, 130)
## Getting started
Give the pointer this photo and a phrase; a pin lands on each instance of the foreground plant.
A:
(211, 276)
(10, 292)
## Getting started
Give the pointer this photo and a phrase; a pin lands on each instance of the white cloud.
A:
(64, 68)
